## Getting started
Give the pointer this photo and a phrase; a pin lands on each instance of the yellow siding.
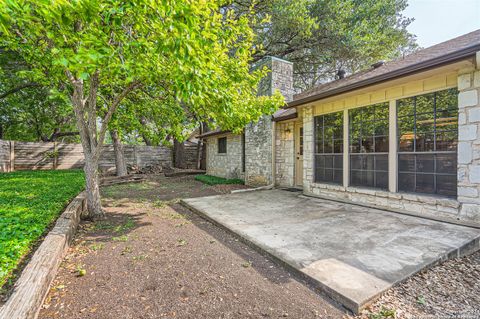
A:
(410, 88)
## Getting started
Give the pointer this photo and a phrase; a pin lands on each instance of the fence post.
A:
(55, 155)
(12, 156)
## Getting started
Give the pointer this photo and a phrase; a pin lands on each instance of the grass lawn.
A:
(30, 201)
(214, 180)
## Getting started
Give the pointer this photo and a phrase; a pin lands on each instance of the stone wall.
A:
(469, 142)
(258, 136)
(226, 165)
(466, 207)
(258, 152)
(284, 154)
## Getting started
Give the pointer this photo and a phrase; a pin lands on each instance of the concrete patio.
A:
(351, 252)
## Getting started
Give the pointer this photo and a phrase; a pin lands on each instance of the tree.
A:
(322, 36)
(30, 110)
(201, 55)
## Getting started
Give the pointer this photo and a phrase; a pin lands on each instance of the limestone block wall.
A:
(258, 152)
(466, 207)
(469, 142)
(227, 165)
(284, 154)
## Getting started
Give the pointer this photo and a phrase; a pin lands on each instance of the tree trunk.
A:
(179, 154)
(120, 163)
(92, 187)
(145, 138)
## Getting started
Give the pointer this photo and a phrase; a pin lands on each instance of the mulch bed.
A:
(152, 258)
(448, 290)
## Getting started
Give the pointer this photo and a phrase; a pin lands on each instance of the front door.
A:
(299, 154)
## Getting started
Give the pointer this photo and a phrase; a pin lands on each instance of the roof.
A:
(451, 51)
(284, 114)
(213, 133)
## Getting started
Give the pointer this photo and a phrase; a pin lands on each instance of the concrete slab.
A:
(351, 252)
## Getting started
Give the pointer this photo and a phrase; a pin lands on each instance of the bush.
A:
(30, 201)
(214, 180)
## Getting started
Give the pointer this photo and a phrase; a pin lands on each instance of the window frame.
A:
(220, 147)
(333, 154)
(362, 154)
(434, 154)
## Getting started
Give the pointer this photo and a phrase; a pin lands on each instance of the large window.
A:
(222, 145)
(329, 148)
(427, 146)
(368, 127)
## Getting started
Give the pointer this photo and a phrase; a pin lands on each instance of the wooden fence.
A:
(33, 155)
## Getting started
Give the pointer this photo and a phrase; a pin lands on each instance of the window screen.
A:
(222, 145)
(368, 127)
(427, 146)
(329, 148)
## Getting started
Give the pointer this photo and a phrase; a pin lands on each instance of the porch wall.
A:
(227, 165)
(284, 154)
(467, 207)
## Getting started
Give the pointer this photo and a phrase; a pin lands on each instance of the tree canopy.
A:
(322, 36)
(103, 51)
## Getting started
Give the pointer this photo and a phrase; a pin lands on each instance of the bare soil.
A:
(153, 258)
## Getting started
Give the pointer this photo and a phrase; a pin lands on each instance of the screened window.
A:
(329, 148)
(222, 145)
(427, 146)
(368, 127)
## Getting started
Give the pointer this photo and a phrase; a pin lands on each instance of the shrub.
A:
(214, 180)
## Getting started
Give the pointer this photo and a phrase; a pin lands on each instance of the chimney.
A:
(279, 78)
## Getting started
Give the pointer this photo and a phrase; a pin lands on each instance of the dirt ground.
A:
(152, 258)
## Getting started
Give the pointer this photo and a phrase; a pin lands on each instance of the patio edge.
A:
(355, 306)
(34, 283)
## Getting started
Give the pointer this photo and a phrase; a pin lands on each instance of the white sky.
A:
(440, 20)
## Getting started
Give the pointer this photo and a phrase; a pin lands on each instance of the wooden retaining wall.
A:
(34, 155)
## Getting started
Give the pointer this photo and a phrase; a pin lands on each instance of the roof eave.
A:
(453, 57)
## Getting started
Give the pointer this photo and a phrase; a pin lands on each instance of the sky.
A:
(440, 20)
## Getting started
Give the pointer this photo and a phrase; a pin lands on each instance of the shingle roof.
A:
(446, 52)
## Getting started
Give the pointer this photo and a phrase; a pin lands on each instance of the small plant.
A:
(80, 271)
(247, 264)
(181, 242)
(140, 257)
(383, 314)
(125, 226)
(126, 250)
(421, 300)
(214, 180)
(103, 225)
(120, 238)
(96, 247)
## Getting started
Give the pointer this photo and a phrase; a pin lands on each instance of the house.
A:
(403, 135)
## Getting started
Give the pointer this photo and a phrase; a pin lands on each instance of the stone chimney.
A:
(258, 136)
(279, 78)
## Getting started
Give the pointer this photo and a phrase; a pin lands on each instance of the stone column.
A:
(308, 151)
(469, 142)
(258, 136)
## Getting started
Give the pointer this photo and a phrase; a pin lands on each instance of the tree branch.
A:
(18, 88)
(113, 107)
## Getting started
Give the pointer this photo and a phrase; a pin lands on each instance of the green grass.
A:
(214, 180)
(30, 201)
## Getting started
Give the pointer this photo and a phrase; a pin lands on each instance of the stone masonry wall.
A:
(467, 207)
(469, 142)
(258, 152)
(284, 154)
(227, 165)
(258, 136)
